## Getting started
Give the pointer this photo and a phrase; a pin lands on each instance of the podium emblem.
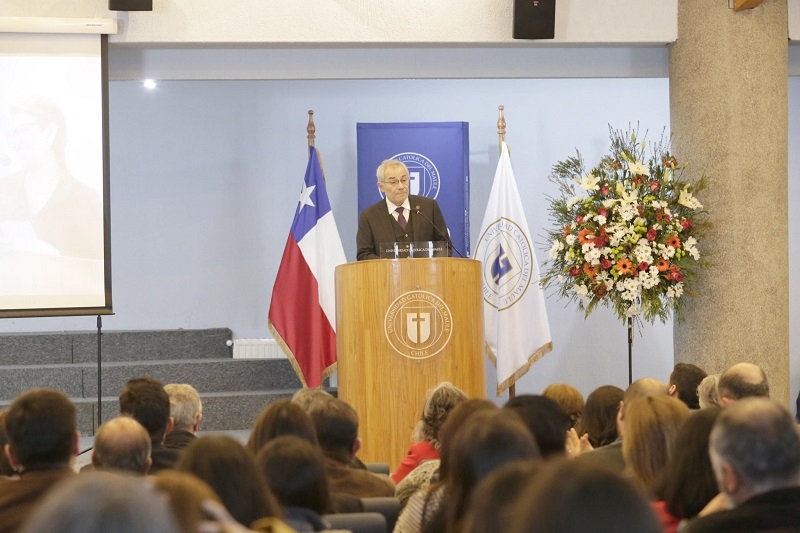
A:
(418, 324)
(507, 258)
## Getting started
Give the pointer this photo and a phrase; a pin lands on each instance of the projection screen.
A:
(54, 175)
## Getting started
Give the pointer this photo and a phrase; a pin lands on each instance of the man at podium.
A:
(400, 218)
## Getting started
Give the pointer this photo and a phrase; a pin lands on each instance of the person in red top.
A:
(440, 401)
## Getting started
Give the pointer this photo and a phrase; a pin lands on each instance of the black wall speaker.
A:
(534, 19)
(130, 5)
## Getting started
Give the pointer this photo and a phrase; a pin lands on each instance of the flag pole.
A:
(311, 128)
(501, 134)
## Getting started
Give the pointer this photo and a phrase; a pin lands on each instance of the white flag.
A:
(515, 320)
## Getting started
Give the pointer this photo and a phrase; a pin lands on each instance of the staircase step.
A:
(212, 375)
(81, 347)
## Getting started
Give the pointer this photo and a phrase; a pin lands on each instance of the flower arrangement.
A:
(626, 232)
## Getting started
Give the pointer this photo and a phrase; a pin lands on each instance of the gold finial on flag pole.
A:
(311, 129)
(501, 128)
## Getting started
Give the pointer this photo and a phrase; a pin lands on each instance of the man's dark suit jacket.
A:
(376, 225)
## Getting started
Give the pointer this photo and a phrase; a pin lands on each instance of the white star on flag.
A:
(305, 196)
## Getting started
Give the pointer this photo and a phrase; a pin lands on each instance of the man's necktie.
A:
(401, 219)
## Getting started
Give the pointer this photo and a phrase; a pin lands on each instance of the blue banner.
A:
(437, 157)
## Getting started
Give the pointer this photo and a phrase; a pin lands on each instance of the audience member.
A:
(599, 420)
(145, 399)
(568, 398)
(282, 417)
(186, 411)
(486, 441)
(683, 383)
(295, 471)
(581, 497)
(611, 454)
(493, 501)
(185, 495)
(122, 444)
(440, 401)
(651, 424)
(743, 380)
(102, 502)
(5, 467)
(230, 470)
(755, 453)
(336, 424)
(546, 421)
(687, 483)
(707, 392)
(308, 398)
(423, 503)
(42, 443)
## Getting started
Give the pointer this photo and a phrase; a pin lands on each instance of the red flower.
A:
(600, 291)
(605, 263)
(643, 265)
(669, 161)
(651, 234)
(686, 223)
(654, 186)
(638, 180)
(640, 208)
(579, 219)
(605, 190)
(603, 212)
(574, 271)
(677, 276)
(567, 230)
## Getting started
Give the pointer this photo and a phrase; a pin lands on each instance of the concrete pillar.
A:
(729, 117)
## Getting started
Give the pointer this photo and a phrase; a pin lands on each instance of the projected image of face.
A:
(43, 208)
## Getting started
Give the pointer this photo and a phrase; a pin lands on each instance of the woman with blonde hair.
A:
(440, 401)
(651, 424)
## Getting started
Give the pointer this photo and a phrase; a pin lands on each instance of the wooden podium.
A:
(402, 327)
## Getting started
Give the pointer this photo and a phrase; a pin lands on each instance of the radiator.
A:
(257, 349)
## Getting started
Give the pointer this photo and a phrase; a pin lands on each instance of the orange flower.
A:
(674, 241)
(590, 270)
(585, 236)
(662, 265)
(624, 266)
(567, 229)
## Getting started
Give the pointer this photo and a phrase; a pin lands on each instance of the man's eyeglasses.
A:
(394, 182)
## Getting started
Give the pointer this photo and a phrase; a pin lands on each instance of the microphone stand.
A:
(442, 233)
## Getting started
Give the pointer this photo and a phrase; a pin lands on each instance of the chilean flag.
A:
(302, 313)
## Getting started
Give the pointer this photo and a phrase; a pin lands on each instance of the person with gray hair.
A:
(755, 453)
(99, 502)
(707, 392)
(186, 411)
(122, 444)
(742, 380)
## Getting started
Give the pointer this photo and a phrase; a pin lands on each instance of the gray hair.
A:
(184, 405)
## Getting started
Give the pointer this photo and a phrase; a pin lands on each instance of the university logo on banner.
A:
(505, 252)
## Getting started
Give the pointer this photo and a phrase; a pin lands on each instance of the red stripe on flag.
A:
(296, 315)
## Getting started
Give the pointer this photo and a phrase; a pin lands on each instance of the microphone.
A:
(442, 233)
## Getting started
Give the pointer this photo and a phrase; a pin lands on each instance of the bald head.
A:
(122, 443)
(742, 380)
